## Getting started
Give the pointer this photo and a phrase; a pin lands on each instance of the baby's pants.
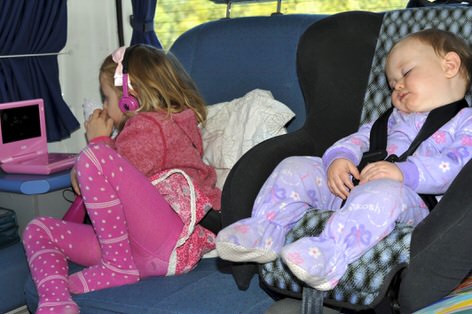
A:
(369, 214)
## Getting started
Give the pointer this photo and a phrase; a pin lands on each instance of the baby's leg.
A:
(49, 243)
(296, 184)
(368, 216)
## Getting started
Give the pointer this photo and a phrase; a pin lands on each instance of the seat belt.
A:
(378, 139)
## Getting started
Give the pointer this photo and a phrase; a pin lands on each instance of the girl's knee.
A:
(95, 156)
(94, 150)
(35, 227)
(29, 230)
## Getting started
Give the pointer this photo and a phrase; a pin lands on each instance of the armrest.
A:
(247, 177)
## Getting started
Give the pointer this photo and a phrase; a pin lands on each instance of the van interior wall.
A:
(91, 36)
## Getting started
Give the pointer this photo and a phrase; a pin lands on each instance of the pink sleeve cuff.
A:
(100, 139)
(410, 173)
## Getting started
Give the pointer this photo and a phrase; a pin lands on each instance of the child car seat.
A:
(341, 72)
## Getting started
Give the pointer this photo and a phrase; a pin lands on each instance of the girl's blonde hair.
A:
(159, 81)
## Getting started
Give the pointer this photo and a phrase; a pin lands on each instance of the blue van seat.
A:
(206, 289)
(13, 273)
(230, 57)
(227, 58)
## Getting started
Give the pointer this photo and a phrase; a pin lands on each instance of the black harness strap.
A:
(378, 139)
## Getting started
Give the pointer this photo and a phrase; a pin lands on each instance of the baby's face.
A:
(417, 77)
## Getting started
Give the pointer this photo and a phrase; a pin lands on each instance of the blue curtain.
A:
(35, 27)
(143, 23)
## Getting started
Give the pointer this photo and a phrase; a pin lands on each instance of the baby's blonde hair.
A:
(443, 42)
(159, 81)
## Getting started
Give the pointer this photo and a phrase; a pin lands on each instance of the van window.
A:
(173, 17)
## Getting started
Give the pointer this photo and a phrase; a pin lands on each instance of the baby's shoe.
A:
(251, 240)
(315, 261)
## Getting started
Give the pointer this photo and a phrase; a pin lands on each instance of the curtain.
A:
(32, 27)
(143, 23)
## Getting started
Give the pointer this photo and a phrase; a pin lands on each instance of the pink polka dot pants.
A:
(48, 265)
(133, 233)
(106, 212)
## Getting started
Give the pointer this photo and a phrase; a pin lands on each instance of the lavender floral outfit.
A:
(369, 213)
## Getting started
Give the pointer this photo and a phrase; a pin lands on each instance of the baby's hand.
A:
(339, 177)
(381, 170)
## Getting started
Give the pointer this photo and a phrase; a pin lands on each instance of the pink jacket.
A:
(155, 142)
(168, 149)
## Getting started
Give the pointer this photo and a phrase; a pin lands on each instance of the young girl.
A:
(426, 71)
(144, 191)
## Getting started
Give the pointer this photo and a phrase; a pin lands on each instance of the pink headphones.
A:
(127, 103)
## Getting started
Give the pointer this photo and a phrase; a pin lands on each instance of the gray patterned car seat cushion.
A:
(366, 281)
(362, 283)
(396, 25)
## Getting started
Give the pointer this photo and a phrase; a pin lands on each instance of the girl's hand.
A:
(74, 181)
(99, 124)
(381, 170)
(339, 177)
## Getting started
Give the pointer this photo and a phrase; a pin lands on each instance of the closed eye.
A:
(407, 72)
